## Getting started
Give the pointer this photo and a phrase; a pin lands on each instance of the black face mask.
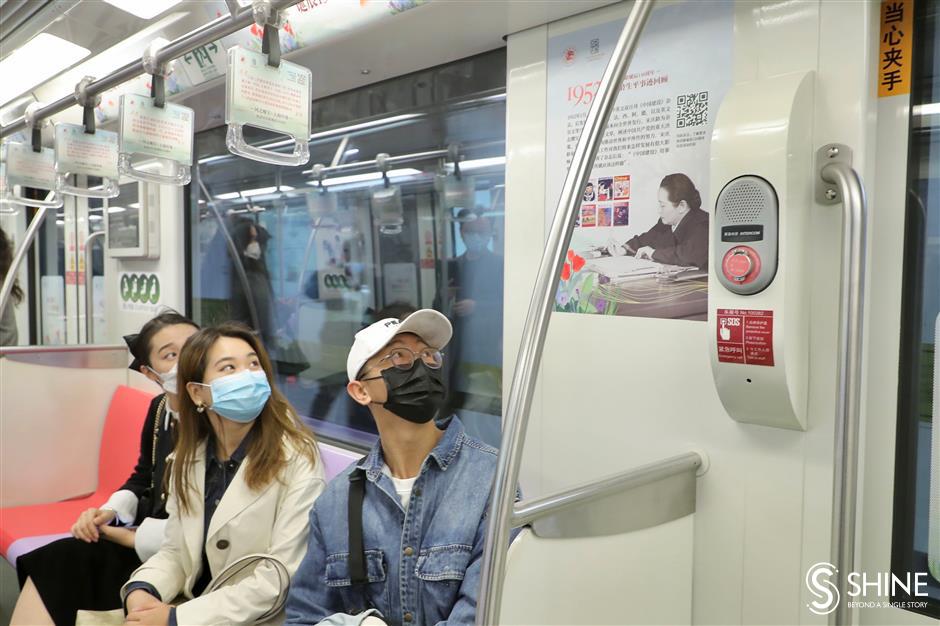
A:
(416, 394)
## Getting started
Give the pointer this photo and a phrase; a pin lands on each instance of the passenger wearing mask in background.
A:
(251, 241)
(680, 237)
(476, 286)
(8, 333)
(411, 554)
(86, 571)
(244, 476)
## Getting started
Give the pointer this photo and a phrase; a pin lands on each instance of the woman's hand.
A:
(86, 528)
(121, 536)
(156, 615)
(139, 600)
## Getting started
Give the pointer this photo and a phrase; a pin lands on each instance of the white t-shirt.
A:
(403, 486)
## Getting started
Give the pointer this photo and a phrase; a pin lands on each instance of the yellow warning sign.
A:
(895, 51)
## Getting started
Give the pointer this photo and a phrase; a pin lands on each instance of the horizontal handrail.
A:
(205, 34)
(10, 350)
(528, 511)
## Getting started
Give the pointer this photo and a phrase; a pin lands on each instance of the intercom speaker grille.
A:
(744, 200)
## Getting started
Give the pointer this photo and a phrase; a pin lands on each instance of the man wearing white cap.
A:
(397, 538)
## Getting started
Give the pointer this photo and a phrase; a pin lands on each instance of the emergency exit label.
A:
(745, 336)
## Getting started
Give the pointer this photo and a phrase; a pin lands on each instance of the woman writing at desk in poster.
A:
(680, 237)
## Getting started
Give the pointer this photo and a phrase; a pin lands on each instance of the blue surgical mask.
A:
(240, 397)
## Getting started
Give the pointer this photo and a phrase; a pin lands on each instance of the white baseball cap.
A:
(433, 327)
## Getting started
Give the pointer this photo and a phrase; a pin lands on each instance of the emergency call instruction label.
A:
(745, 336)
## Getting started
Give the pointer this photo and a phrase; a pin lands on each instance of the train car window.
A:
(309, 259)
(916, 540)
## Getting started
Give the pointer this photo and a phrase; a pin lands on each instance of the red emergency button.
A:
(741, 265)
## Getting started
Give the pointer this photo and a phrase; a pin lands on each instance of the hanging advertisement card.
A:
(27, 168)
(149, 133)
(277, 99)
(641, 245)
(95, 154)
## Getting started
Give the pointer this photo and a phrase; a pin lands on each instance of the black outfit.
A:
(687, 246)
(219, 476)
(70, 574)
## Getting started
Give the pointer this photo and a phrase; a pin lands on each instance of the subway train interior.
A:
(475, 311)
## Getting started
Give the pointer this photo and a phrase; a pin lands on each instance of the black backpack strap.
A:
(357, 551)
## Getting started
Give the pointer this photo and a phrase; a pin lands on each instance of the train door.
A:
(637, 368)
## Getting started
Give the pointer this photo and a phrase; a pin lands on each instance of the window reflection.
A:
(310, 255)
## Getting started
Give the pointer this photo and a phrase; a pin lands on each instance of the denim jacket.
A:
(423, 563)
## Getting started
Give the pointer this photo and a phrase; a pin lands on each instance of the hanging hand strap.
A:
(271, 45)
(357, 551)
(88, 103)
(269, 20)
(35, 124)
(158, 71)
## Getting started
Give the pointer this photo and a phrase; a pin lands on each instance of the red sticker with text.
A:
(745, 336)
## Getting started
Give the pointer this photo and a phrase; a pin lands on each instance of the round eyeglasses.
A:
(404, 359)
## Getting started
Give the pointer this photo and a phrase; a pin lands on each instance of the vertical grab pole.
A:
(540, 309)
(28, 238)
(849, 191)
(89, 290)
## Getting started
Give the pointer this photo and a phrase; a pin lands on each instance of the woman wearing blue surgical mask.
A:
(244, 476)
(109, 542)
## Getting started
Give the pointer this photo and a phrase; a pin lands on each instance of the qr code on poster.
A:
(692, 109)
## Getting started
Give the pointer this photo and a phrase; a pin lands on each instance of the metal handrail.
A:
(848, 404)
(205, 34)
(64, 348)
(14, 268)
(529, 511)
(540, 308)
(89, 291)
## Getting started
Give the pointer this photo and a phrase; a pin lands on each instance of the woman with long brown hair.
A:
(244, 476)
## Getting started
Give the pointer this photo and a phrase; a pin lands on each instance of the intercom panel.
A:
(744, 240)
(758, 315)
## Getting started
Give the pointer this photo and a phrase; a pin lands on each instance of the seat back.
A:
(335, 459)
(641, 577)
(120, 438)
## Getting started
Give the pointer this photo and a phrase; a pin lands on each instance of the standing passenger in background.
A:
(8, 333)
(397, 538)
(251, 241)
(245, 474)
(82, 571)
(476, 288)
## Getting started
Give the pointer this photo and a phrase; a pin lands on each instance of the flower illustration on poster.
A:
(577, 289)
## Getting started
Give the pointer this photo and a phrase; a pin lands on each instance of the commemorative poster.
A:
(640, 244)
